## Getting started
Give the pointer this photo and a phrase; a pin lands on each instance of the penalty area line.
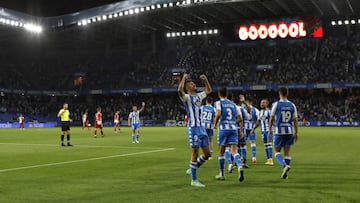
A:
(85, 160)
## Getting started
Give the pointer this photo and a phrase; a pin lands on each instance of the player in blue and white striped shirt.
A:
(284, 116)
(248, 126)
(198, 137)
(228, 116)
(263, 121)
(207, 120)
(134, 122)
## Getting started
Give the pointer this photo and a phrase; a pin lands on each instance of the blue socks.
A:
(280, 159)
(253, 150)
(221, 161)
(200, 161)
(287, 160)
(268, 150)
(137, 136)
(133, 138)
(243, 152)
(237, 160)
(228, 156)
(193, 166)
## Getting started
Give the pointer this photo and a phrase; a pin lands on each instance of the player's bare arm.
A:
(208, 89)
(296, 135)
(217, 117)
(271, 123)
(181, 91)
(255, 126)
(129, 121)
(142, 106)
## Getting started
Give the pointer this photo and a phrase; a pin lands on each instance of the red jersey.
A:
(116, 116)
(98, 116)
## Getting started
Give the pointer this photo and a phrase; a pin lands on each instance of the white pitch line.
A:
(85, 146)
(84, 160)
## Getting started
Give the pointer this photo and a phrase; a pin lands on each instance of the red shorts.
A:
(98, 126)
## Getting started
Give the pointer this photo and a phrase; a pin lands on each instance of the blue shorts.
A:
(242, 141)
(283, 140)
(198, 137)
(228, 137)
(135, 126)
(266, 137)
(210, 133)
(251, 137)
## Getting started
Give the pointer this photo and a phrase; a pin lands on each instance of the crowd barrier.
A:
(29, 125)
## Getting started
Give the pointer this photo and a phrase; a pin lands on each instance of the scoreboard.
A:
(284, 28)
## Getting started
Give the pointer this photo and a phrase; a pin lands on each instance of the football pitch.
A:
(34, 168)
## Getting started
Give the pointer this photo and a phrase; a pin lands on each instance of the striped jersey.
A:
(264, 118)
(229, 113)
(284, 113)
(207, 116)
(254, 114)
(192, 105)
(135, 117)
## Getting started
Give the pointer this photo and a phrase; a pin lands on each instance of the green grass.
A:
(325, 168)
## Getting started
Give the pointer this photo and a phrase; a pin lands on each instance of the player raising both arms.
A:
(85, 121)
(228, 116)
(21, 120)
(117, 121)
(134, 122)
(284, 115)
(64, 115)
(263, 121)
(98, 122)
(196, 132)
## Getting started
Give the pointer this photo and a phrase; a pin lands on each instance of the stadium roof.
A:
(198, 14)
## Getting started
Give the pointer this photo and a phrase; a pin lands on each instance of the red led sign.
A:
(281, 30)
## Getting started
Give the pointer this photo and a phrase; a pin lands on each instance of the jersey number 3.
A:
(229, 114)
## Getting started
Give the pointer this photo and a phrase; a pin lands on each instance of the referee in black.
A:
(64, 114)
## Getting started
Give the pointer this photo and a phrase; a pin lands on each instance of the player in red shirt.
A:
(85, 121)
(21, 122)
(116, 121)
(98, 122)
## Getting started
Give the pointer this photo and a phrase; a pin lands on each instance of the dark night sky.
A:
(47, 8)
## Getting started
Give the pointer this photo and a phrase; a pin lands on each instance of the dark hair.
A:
(223, 92)
(236, 100)
(284, 91)
(209, 100)
(250, 99)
